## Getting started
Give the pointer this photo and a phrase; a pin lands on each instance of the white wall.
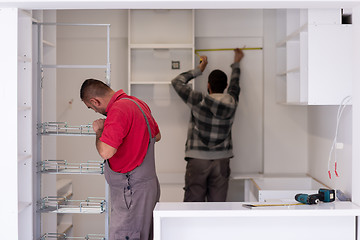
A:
(321, 127)
(285, 127)
(356, 108)
(216, 29)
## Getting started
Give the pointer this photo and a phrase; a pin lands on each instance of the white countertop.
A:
(236, 209)
(178, 177)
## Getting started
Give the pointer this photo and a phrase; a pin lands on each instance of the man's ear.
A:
(209, 88)
(95, 102)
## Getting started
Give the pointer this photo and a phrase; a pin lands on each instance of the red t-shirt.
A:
(125, 129)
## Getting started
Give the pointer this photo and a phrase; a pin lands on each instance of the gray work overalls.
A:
(133, 197)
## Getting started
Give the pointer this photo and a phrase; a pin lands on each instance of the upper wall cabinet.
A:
(313, 57)
(161, 45)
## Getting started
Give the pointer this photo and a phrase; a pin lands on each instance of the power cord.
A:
(341, 108)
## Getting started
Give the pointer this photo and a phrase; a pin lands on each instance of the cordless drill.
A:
(324, 195)
(307, 199)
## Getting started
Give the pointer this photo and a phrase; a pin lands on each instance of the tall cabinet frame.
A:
(25, 131)
(62, 204)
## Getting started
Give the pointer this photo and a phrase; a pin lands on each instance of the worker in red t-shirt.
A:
(125, 140)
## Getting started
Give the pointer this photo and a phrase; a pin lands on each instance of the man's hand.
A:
(158, 137)
(238, 55)
(98, 125)
(203, 63)
(106, 151)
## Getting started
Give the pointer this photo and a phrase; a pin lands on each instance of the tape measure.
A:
(222, 49)
(271, 205)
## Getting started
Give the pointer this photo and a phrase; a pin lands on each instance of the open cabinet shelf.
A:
(63, 167)
(63, 236)
(55, 204)
(307, 72)
(159, 40)
(62, 128)
(54, 193)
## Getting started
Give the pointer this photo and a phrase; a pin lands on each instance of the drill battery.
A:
(327, 195)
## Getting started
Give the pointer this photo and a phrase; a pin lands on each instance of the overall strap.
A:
(147, 121)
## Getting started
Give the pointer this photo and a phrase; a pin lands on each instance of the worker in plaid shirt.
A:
(209, 146)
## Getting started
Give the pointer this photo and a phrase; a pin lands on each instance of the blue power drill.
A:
(324, 195)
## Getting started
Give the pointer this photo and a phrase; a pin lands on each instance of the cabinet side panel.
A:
(8, 146)
(330, 64)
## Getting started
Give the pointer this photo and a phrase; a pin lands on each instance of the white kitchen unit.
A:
(313, 49)
(53, 192)
(279, 188)
(177, 221)
(273, 144)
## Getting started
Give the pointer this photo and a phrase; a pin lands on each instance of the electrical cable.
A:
(341, 108)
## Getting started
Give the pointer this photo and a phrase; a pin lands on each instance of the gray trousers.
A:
(206, 180)
(133, 198)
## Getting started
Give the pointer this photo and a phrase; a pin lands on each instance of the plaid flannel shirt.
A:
(212, 116)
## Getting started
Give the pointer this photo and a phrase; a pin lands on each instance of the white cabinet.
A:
(313, 57)
(280, 188)
(231, 220)
(53, 188)
(161, 46)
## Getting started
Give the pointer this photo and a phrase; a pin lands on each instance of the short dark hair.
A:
(93, 88)
(217, 81)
